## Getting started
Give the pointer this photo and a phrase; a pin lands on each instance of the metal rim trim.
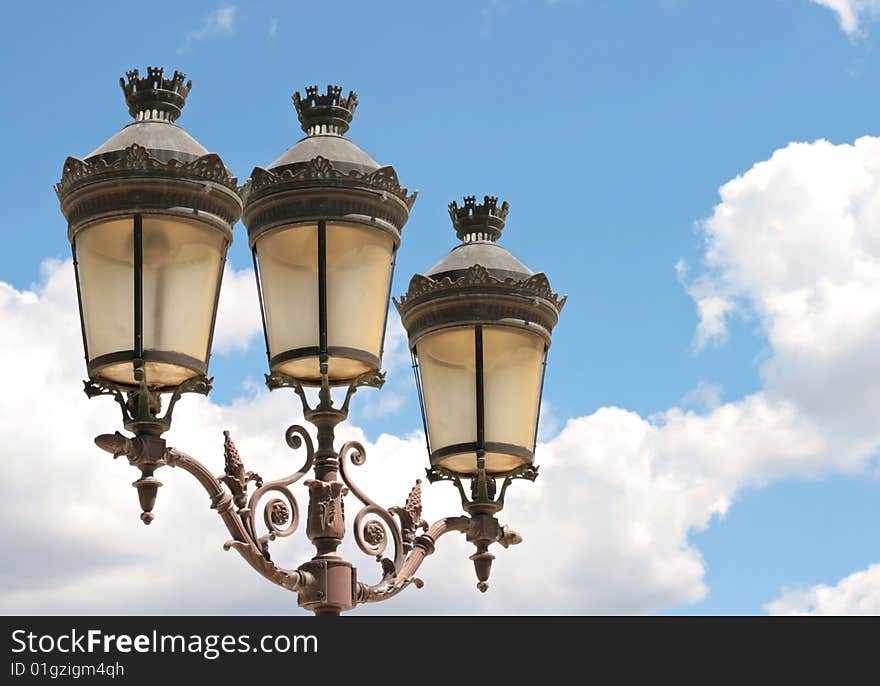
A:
(162, 356)
(490, 447)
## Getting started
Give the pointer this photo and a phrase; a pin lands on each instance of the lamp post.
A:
(150, 217)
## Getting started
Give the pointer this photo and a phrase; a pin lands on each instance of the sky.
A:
(701, 178)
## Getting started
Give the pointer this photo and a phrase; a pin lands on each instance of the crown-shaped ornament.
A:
(478, 222)
(325, 113)
(153, 96)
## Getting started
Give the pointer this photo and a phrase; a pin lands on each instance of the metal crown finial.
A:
(478, 222)
(325, 113)
(153, 96)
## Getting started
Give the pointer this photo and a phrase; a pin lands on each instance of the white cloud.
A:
(704, 397)
(273, 27)
(396, 355)
(852, 14)
(238, 312)
(218, 22)
(795, 243)
(856, 594)
(712, 309)
(609, 509)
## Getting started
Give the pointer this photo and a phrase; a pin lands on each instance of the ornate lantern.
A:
(324, 224)
(479, 324)
(150, 215)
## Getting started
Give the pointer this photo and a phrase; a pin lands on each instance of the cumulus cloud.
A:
(856, 594)
(852, 14)
(238, 312)
(794, 244)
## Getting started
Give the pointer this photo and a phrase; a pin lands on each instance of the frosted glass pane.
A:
(105, 256)
(512, 367)
(358, 273)
(496, 463)
(157, 373)
(288, 262)
(512, 361)
(446, 362)
(181, 276)
(309, 369)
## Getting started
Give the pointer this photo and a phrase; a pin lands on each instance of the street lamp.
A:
(479, 325)
(150, 217)
(324, 223)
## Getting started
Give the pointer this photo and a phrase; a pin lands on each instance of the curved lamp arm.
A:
(326, 584)
(423, 546)
(371, 535)
(149, 452)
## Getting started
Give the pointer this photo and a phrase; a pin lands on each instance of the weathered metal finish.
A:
(326, 524)
(327, 113)
(237, 479)
(151, 452)
(478, 284)
(325, 177)
(141, 405)
(485, 220)
(484, 285)
(274, 200)
(135, 179)
(153, 95)
(478, 298)
(152, 167)
(326, 584)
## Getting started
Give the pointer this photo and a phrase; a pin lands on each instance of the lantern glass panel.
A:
(288, 262)
(448, 380)
(182, 265)
(182, 261)
(358, 273)
(105, 266)
(512, 368)
(358, 283)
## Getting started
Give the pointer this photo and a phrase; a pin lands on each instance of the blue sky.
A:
(608, 126)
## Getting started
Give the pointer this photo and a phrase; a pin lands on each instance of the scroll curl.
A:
(371, 535)
(280, 515)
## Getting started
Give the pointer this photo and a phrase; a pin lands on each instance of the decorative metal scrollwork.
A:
(236, 478)
(280, 515)
(272, 507)
(374, 524)
(143, 404)
(372, 535)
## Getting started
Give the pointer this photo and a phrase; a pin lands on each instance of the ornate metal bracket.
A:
(372, 535)
(326, 584)
(280, 515)
(141, 405)
(483, 485)
(276, 380)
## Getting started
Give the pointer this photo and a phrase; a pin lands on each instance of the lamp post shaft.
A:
(335, 586)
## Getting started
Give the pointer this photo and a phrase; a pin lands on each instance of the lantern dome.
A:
(153, 147)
